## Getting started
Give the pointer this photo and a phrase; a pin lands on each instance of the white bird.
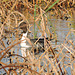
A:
(24, 44)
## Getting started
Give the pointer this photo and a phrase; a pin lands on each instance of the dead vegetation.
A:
(55, 59)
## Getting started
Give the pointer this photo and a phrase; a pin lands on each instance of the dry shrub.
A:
(54, 60)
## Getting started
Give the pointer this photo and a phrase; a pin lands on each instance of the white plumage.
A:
(23, 44)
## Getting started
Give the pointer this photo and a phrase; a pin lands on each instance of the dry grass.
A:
(54, 60)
